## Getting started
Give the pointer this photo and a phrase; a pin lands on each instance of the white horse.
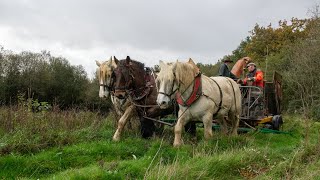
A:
(124, 108)
(218, 97)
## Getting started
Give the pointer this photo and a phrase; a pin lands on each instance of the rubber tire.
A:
(277, 122)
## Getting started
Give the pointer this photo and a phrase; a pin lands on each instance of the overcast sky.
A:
(85, 31)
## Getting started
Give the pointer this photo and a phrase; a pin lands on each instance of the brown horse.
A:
(133, 81)
(122, 107)
(240, 65)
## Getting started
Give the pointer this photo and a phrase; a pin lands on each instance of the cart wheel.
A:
(276, 122)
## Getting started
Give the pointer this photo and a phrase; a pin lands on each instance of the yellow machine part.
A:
(266, 120)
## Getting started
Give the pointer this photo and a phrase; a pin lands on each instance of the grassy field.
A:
(78, 145)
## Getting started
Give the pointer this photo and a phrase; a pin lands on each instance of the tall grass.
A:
(77, 145)
(24, 132)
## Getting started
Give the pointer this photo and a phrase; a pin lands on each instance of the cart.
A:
(262, 107)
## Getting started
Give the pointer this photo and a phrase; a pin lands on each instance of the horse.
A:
(132, 81)
(199, 97)
(240, 65)
(123, 107)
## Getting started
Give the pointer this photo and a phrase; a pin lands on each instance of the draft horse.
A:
(199, 97)
(133, 82)
(105, 71)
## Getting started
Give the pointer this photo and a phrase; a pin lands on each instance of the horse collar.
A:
(196, 93)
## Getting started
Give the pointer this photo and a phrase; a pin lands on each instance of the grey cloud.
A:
(191, 27)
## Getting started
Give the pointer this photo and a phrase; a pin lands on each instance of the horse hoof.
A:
(116, 139)
(176, 145)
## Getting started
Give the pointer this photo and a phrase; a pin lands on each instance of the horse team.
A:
(137, 91)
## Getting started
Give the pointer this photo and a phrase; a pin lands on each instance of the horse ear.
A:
(115, 59)
(98, 63)
(191, 61)
(174, 65)
(128, 60)
(196, 69)
(161, 64)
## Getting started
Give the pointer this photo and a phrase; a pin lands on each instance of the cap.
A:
(251, 64)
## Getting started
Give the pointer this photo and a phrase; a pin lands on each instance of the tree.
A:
(209, 69)
(303, 73)
(269, 41)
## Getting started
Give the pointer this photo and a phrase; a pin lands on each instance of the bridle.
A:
(109, 86)
(128, 77)
(172, 91)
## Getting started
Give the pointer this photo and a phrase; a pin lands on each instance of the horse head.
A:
(105, 76)
(171, 78)
(128, 76)
(166, 84)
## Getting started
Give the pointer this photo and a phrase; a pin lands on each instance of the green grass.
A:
(84, 150)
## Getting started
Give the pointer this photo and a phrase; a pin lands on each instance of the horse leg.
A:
(147, 127)
(234, 119)
(178, 130)
(207, 123)
(223, 124)
(191, 128)
(122, 122)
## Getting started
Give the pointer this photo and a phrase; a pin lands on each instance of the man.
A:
(224, 69)
(255, 76)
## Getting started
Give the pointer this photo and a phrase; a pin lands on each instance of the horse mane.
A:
(185, 73)
(136, 65)
(165, 73)
(133, 68)
(102, 67)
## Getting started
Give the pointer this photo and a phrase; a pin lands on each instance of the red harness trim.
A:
(196, 93)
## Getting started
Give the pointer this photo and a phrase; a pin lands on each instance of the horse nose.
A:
(163, 103)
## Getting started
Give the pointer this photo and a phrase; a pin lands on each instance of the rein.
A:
(169, 95)
(135, 94)
(144, 106)
(172, 91)
(108, 86)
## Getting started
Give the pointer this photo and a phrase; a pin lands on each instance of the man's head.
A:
(227, 61)
(251, 67)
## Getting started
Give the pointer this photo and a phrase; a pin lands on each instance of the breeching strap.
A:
(221, 96)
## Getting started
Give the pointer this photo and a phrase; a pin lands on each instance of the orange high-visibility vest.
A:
(258, 79)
